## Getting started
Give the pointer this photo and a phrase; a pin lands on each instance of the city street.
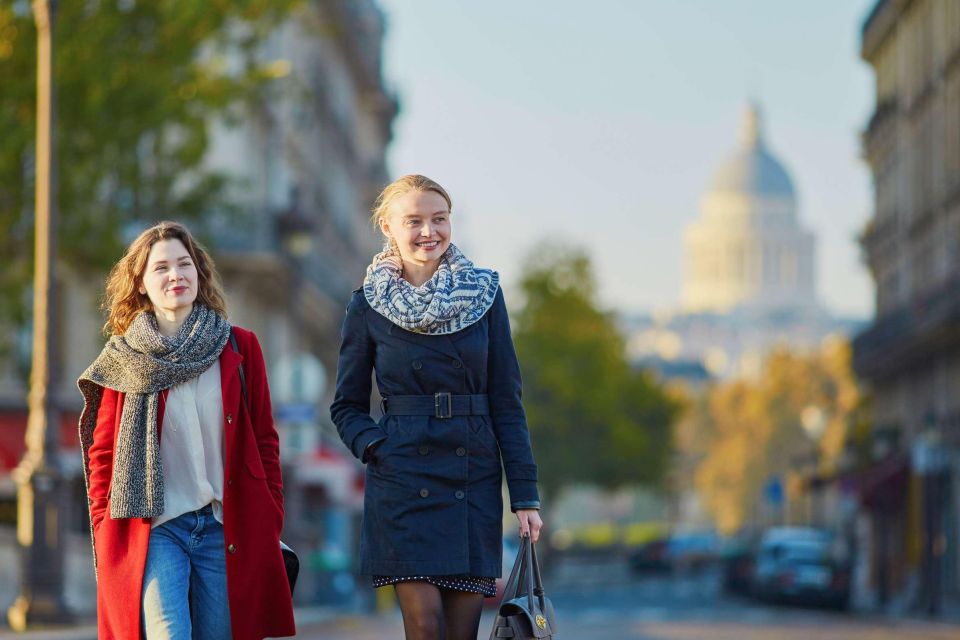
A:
(597, 601)
(603, 602)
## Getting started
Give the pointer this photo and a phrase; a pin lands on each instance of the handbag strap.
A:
(528, 571)
(513, 582)
(538, 580)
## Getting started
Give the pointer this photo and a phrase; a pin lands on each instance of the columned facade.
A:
(748, 251)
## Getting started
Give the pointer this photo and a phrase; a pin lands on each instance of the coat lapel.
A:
(230, 360)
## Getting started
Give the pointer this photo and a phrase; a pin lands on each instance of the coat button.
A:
(461, 451)
(424, 449)
(459, 495)
(232, 548)
(230, 483)
(424, 493)
(457, 364)
(229, 418)
(417, 365)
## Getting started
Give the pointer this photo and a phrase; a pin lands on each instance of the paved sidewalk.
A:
(307, 618)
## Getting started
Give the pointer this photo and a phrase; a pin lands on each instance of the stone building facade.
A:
(910, 354)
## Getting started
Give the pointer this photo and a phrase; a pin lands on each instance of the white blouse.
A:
(191, 447)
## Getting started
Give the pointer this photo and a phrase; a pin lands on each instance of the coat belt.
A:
(438, 405)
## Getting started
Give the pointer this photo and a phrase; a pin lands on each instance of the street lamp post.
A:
(38, 477)
(930, 461)
(814, 423)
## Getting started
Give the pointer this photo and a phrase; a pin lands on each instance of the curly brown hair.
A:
(123, 300)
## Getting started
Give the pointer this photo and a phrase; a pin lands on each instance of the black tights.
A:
(431, 613)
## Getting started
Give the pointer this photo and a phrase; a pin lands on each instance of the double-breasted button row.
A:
(229, 418)
(417, 364)
(425, 493)
(424, 450)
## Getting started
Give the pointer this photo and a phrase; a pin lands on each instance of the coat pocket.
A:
(483, 430)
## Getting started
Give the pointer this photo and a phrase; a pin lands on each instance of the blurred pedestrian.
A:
(435, 330)
(181, 464)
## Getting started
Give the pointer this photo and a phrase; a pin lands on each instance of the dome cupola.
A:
(752, 170)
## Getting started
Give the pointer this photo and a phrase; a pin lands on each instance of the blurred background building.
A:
(749, 280)
(305, 163)
(748, 249)
(910, 354)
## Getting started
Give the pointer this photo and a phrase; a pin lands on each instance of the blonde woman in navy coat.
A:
(435, 330)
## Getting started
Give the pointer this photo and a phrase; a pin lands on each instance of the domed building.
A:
(749, 281)
(748, 252)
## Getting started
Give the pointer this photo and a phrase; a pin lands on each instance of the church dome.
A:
(752, 170)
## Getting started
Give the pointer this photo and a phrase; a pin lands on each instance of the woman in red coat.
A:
(183, 473)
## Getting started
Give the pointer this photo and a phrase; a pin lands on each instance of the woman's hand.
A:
(530, 523)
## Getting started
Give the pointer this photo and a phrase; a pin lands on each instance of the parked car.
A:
(692, 550)
(802, 565)
(650, 557)
(737, 560)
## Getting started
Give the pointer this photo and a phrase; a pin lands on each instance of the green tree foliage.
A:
(138, 84)
(593, 419)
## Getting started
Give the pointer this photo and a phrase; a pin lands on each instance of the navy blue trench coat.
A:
(433, 501)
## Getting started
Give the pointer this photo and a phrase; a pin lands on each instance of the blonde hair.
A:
(402, 186)
(123, 300)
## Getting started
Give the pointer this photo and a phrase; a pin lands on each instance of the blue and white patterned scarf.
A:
(455, 297)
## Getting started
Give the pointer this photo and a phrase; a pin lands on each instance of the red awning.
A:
(883, 486)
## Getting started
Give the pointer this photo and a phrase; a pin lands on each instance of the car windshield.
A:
(797, 551)
(806, 553)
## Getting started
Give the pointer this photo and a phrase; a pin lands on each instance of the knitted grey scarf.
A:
(141, 363)
(455, 297)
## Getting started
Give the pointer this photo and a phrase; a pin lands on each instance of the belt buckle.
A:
(442, 405)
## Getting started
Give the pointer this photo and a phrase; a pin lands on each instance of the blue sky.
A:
(602, 123)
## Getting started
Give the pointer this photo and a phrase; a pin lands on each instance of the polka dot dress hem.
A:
(470, 584)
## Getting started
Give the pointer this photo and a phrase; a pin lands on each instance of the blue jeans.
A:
(185, 580)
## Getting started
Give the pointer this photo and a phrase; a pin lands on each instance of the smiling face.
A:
(419, 223)
(170, 278)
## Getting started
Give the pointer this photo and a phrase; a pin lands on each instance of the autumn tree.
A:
(753, 428)
(138, 85)
(593, 418)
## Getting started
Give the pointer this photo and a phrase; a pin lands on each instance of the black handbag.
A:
(525, 613)
(291, 563)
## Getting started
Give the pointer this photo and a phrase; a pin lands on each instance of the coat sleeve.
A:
(350, 410)
(100, 455)
(264, 430)
(506, 409)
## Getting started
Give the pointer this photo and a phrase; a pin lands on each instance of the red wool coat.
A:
(260, 602)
